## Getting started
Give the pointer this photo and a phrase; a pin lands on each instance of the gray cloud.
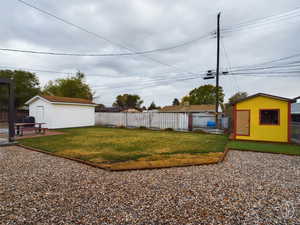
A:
(146, 25)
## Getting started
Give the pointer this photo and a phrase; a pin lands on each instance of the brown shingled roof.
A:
(190, 108)
(67, 99)
(267, 96)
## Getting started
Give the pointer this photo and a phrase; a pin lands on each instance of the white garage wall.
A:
(47, 110)
(64, 116)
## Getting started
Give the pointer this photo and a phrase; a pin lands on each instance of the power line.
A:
(167, 81)
(105, 54)
(150, 81)
(271, 61)
(268, 17)
(263, 21)
(267, 68)
(93, 33)
(100, 75)
(270, 72)
(229, 64)
(155, 85)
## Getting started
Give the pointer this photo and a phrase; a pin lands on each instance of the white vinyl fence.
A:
(176, 121)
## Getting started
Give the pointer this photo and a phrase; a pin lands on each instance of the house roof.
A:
(189, 108)
(66, 100)
(131, 110)
(267, 96)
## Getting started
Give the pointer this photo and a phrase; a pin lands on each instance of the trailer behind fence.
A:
(201, 119)
(154, 120)
(296, 132)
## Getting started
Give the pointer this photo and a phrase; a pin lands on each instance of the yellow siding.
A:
(276, 133)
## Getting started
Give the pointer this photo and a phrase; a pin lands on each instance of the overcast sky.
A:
(145, 25)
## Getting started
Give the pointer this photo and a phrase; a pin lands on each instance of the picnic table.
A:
(37, 127)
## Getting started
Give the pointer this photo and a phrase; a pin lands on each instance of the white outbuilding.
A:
(62, 112)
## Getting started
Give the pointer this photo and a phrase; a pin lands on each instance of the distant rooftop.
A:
(189, 108)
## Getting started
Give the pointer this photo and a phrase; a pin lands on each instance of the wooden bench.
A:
(36, 130)
(21, 127)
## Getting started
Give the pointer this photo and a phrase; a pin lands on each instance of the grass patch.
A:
(121, 158)
(116, 148)
(290, 149)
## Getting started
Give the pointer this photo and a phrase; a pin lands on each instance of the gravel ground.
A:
(248, 188)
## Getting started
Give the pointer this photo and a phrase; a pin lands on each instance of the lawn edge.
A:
(222, 158)
(260, 151)
(60, 156)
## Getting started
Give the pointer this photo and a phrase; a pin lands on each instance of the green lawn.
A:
(291, 149)
(116, 148)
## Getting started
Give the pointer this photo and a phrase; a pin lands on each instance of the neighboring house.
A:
(62, 112)
(151, 111)
(131, 110)
(108, 109)
(210, 109)
(201, 114)
(296, 111)
(263, 117)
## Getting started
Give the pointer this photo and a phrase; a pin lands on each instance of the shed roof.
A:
(189, 108)
(67, 99)
(267, 96)
(58, 99)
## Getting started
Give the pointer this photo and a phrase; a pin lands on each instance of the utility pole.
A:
(211, 74)
(218, 68)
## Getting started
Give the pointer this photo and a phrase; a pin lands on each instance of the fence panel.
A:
(176, 121)
(138, 119)
(110, 119)
(295, 132)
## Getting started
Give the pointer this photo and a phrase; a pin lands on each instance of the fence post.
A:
(190, 122)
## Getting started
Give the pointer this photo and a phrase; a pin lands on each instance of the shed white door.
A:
(40, 117)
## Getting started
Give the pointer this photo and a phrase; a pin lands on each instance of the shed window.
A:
(269, 117)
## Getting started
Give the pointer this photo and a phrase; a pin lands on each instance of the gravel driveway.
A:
(248, 188)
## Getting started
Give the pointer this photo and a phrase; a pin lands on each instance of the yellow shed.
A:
(262, 117)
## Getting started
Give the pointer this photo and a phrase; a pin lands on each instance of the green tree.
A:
(26, 86)
(153, 106)
(128, 101)
(185, 100)
(175, 102)
(74, 87)
(205, 94)
(237, 97)
(233, 99)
